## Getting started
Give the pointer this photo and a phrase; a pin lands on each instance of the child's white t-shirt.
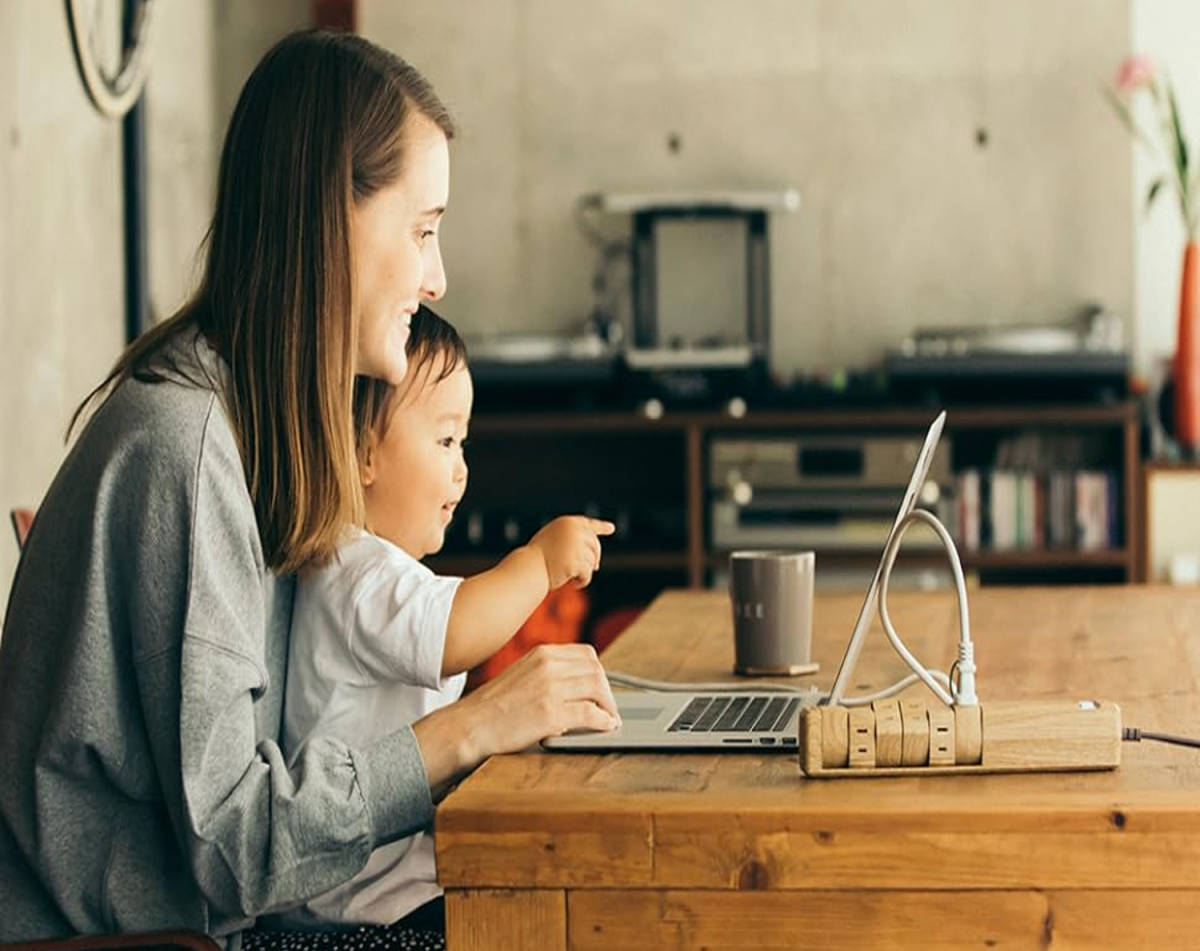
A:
(365, 659)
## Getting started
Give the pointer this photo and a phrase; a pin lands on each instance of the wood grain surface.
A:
(680, 846)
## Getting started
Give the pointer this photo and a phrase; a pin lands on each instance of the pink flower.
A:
(1135, 72)
(1140, 73)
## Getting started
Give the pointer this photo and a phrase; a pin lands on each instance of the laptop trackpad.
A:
(640, 712)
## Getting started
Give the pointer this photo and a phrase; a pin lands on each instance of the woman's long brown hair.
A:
(319, 125)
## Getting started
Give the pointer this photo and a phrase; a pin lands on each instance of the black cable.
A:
(1136, 735)
(135, 190)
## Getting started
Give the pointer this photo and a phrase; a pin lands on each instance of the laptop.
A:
(746, 719)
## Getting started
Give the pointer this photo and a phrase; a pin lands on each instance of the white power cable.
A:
(963, 693)
(945, 688)
(868, 699)
(671, 686)
(810, 694)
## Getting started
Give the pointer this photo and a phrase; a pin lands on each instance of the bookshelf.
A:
(651, 476)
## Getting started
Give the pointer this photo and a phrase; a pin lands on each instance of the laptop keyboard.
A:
(735, 714)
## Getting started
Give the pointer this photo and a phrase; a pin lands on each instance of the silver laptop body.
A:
(704, 720)
(764, 721)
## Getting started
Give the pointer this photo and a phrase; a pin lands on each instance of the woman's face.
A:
(397, 261)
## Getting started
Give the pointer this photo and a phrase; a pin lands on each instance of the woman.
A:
(142, 660)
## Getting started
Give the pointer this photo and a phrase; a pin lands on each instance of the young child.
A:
(378, 640)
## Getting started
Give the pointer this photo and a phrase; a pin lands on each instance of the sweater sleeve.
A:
(258, 835)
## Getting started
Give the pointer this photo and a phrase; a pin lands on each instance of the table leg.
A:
(486, 918)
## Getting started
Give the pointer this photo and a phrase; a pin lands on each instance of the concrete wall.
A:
(203, 53)
(61, 227)
(873, 108)
(182, 148)
(61, 315)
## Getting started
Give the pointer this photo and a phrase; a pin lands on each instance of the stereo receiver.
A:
(832, 492)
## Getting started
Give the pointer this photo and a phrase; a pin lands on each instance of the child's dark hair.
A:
(434, 350)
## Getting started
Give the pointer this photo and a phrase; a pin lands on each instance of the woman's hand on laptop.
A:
(553, 689)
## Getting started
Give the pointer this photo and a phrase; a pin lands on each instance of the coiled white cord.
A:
(644, 683)
(955, 693)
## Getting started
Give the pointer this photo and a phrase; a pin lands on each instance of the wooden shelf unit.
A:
(666, 459)
(466, 564)
(1169, 488)
(1044, 558)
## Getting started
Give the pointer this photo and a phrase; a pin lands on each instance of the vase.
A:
(1187, 353)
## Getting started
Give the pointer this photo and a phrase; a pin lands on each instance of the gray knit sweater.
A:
(141, 690)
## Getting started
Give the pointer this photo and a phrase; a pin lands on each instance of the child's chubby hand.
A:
(570, 547)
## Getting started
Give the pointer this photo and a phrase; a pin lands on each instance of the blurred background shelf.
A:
(652, 477)
(624, 562)
(1048, 558)
(916, 418)
(1033, 559)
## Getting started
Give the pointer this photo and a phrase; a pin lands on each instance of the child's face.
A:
(416, 474)
(397, 262)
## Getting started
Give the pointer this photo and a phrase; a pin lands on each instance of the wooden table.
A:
(550, 851)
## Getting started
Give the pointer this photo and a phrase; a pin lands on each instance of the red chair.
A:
(22, 521)
(557, 620)
(609, 627)
(187, 940)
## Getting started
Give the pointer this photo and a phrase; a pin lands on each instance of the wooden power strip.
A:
(913, 738)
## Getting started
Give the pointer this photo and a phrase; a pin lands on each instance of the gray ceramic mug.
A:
(772, 595)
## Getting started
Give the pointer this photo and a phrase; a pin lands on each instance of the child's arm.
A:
(490, 606)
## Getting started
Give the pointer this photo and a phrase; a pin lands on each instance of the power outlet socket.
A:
(911, 737)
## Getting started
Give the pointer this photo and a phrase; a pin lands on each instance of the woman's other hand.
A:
(553, 689)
